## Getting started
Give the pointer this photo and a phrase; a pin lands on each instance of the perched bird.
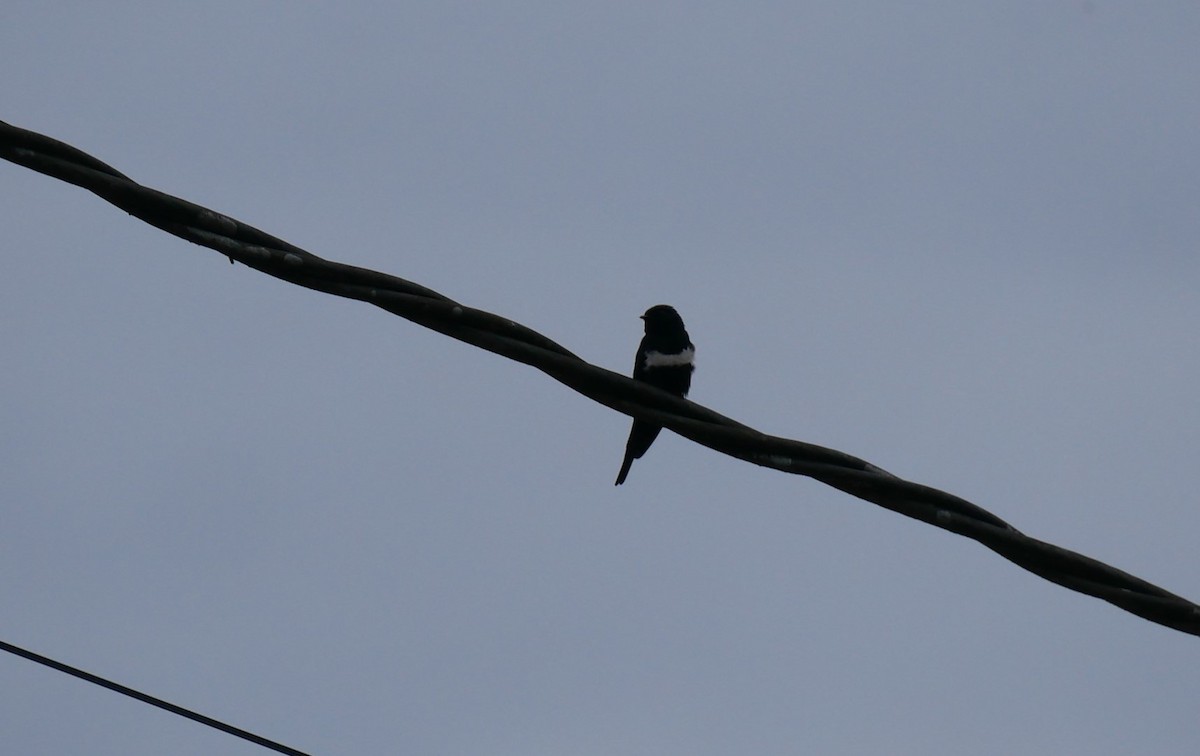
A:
(664, 359)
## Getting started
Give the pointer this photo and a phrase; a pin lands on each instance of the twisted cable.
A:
(276, 257)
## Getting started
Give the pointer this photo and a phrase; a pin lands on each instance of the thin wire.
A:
(276, 257)
(145, 698)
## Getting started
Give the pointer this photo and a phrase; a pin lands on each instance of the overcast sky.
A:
(958, 240)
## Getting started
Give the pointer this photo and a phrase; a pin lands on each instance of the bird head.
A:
(662, 316)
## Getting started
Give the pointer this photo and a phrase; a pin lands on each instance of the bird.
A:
(665, 359)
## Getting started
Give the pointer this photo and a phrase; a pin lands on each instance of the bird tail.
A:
(625, 467)
(641, 435)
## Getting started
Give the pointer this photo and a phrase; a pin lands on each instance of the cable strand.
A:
(149, 699)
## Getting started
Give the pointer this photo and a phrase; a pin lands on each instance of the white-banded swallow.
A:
(665, 359)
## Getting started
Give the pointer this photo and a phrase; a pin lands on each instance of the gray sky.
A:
(956, 239)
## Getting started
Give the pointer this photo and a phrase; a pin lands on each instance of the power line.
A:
(278, 258)
(146, 698)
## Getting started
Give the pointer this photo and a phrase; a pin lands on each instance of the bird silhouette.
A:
(665, 359)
